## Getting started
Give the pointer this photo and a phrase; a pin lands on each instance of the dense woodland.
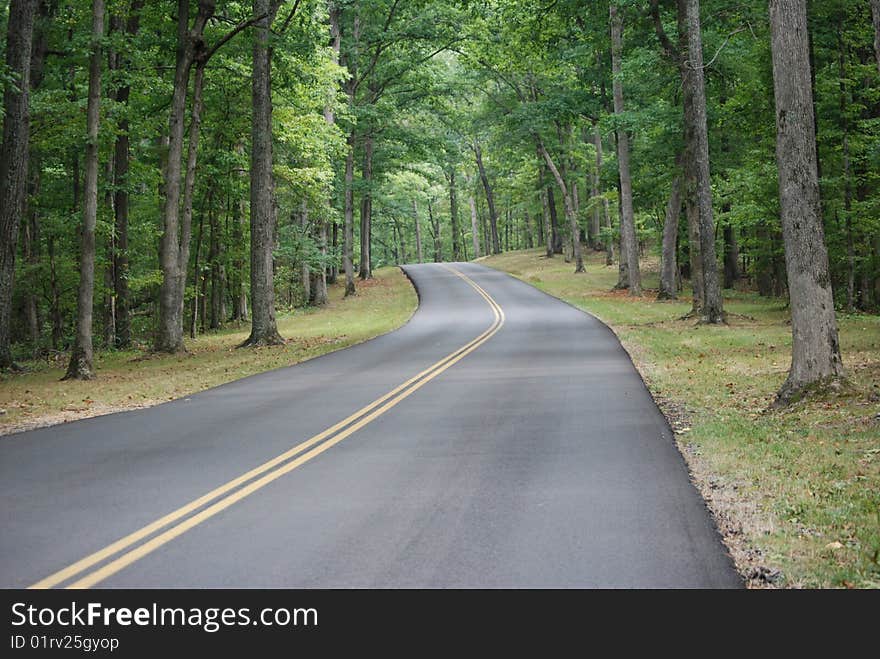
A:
(171, 167)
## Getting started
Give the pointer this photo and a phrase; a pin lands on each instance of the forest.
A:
(171, 168)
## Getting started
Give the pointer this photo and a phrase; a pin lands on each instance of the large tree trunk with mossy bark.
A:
(264, 330)
(815, 360)
(81, 365)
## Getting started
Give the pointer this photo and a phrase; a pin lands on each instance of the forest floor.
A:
(132, 379)
(795, 493)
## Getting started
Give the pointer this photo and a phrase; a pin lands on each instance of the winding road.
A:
(500, 439)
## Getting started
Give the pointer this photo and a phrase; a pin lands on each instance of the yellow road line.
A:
(361, 418)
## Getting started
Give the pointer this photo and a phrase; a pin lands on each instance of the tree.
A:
(669, 247)
(81, 356)
(816, 358)
(628, 243)
(14, 156)
(264, 330)
(698, 154)
(490, 198)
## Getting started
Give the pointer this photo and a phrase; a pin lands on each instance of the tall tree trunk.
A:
(435, 230)
(305, 279)
(490, 198)
(239, 205)
(39, 50)
(694, 86)
(31, 253)
(595, 184)
(622, 268)
(330, 118)
(606, 213)
(215, 260)
(815, 348)
(366, 266)
(555, 234)
(169, 337)
(453, 214)
(109, 339)
(570, 213)
(121, 155)
(419, 253)
(731, 256)
(668, 258)
(348, 226)
(319, 275)
(627, 218)
(847, 185)
(475, 230)
(545, 213)
(81, 367)
(197, 277)
(264, 330)
(14, 156)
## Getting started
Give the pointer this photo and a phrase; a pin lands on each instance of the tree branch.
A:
(669, 48)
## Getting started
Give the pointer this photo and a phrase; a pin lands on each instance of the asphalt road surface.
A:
(500, 439)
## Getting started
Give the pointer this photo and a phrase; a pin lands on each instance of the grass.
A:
(130, 379)
(796, 493)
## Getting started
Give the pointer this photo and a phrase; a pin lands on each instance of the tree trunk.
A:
(435, 229)
(330, 118)
(215, 261)
(305, 278)
(555, 235)
(815, 349)
(693, 85)
(545, 213)
(121, 155)
(170, 331)
(570, 213)
(731, 256)
(453, 215)
(264, 330)
(847, 186)
(475, 230)
(348, 226)
(81, 367)
(622, 268)
(366, 266)
(606, 214)
(109, 339)
(239, 205)
(14, 156)
(319, 275)
(31, 253)
(197, 278)
(490, 198)
(627, 217)
(595, 185)
(419, 253)
(668, 258)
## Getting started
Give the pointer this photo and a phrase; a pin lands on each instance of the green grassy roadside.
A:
(795, 493)
(130, 379)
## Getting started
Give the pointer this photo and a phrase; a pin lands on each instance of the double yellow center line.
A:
(182, 520)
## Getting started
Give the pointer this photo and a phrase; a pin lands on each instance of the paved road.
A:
(533, 456)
